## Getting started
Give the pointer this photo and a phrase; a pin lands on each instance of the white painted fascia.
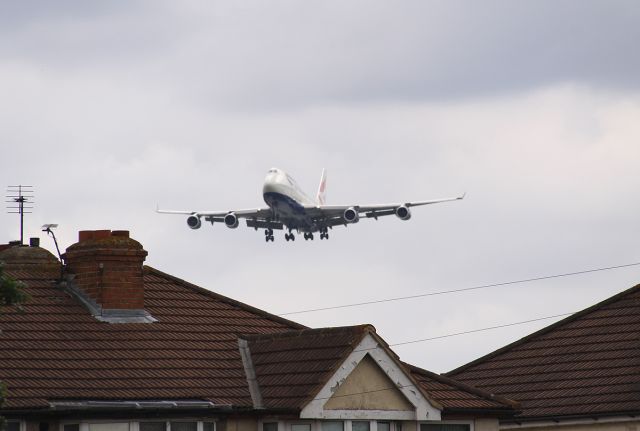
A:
(423, 409)
(568, 422)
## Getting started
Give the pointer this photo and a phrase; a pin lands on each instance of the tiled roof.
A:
(455, 396)
(291, 367)
(55, 349)
(585, 365)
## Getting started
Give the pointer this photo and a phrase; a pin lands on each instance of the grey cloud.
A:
(288, 54)
(114, 110)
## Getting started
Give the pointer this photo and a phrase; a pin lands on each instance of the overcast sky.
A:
(532, 108)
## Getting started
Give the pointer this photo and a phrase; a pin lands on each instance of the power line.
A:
(465, 289)
(435, 338)
(471, 331)
(428, 339)
(488, 328)
(365, 392)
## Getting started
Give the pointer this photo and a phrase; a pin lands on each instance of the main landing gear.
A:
(268, 235)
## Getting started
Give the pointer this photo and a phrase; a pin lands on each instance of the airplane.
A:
(288, 207)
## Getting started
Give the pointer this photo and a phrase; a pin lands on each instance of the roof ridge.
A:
(545, 330)
(234, 302)
(448, 380)
(329, 373)
(307, 331)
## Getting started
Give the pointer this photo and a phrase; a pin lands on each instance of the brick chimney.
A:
(106, 267)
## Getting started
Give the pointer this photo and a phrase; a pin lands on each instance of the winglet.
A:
(322, 189)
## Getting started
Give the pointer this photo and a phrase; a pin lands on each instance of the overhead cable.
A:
(435, 338)
(465, 289)
(488, 328)
(471, 331)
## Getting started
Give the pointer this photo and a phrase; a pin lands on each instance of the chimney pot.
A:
(101, 234)
(34, 242)
(120, 233)
(84, 235)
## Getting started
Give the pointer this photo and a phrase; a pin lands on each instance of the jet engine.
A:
(194, 222)
(403, 213)
(231, 220)
(350, 215)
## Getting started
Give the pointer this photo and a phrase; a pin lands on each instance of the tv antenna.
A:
(48, 229)
(20, 202)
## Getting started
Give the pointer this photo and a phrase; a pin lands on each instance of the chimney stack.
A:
(107, 268)
(17, 257)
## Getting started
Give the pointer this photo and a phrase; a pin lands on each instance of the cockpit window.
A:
(273, 170)
(293, 183)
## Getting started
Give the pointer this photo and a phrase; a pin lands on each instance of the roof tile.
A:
(55, 349)
(586, 364)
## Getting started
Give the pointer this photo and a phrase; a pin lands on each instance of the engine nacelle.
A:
(194, 222)
(231, 220)
(351, 215)
(403, 213)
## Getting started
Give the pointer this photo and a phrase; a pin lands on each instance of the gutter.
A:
(504, 413)
(546, 421)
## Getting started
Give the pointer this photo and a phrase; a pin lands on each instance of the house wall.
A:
(369, 382)
(486, 425)
(241, 424)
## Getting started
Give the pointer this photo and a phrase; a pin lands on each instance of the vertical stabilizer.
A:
(322, 189)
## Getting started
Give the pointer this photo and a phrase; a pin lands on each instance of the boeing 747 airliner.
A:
(289, 208)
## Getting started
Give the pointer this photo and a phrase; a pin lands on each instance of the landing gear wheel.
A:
(268, 235)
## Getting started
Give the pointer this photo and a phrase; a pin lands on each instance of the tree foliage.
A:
(11, 293)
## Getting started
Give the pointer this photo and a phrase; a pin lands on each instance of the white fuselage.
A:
(287, 200)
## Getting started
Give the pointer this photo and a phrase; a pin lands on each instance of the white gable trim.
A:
(423, 409)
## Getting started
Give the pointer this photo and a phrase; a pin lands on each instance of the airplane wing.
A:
(247, 213)
(321, 216)
(333, 215)
(256, 217)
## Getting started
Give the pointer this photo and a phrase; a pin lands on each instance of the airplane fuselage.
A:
(287, 200)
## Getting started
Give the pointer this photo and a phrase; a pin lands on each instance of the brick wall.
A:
(108, 267)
